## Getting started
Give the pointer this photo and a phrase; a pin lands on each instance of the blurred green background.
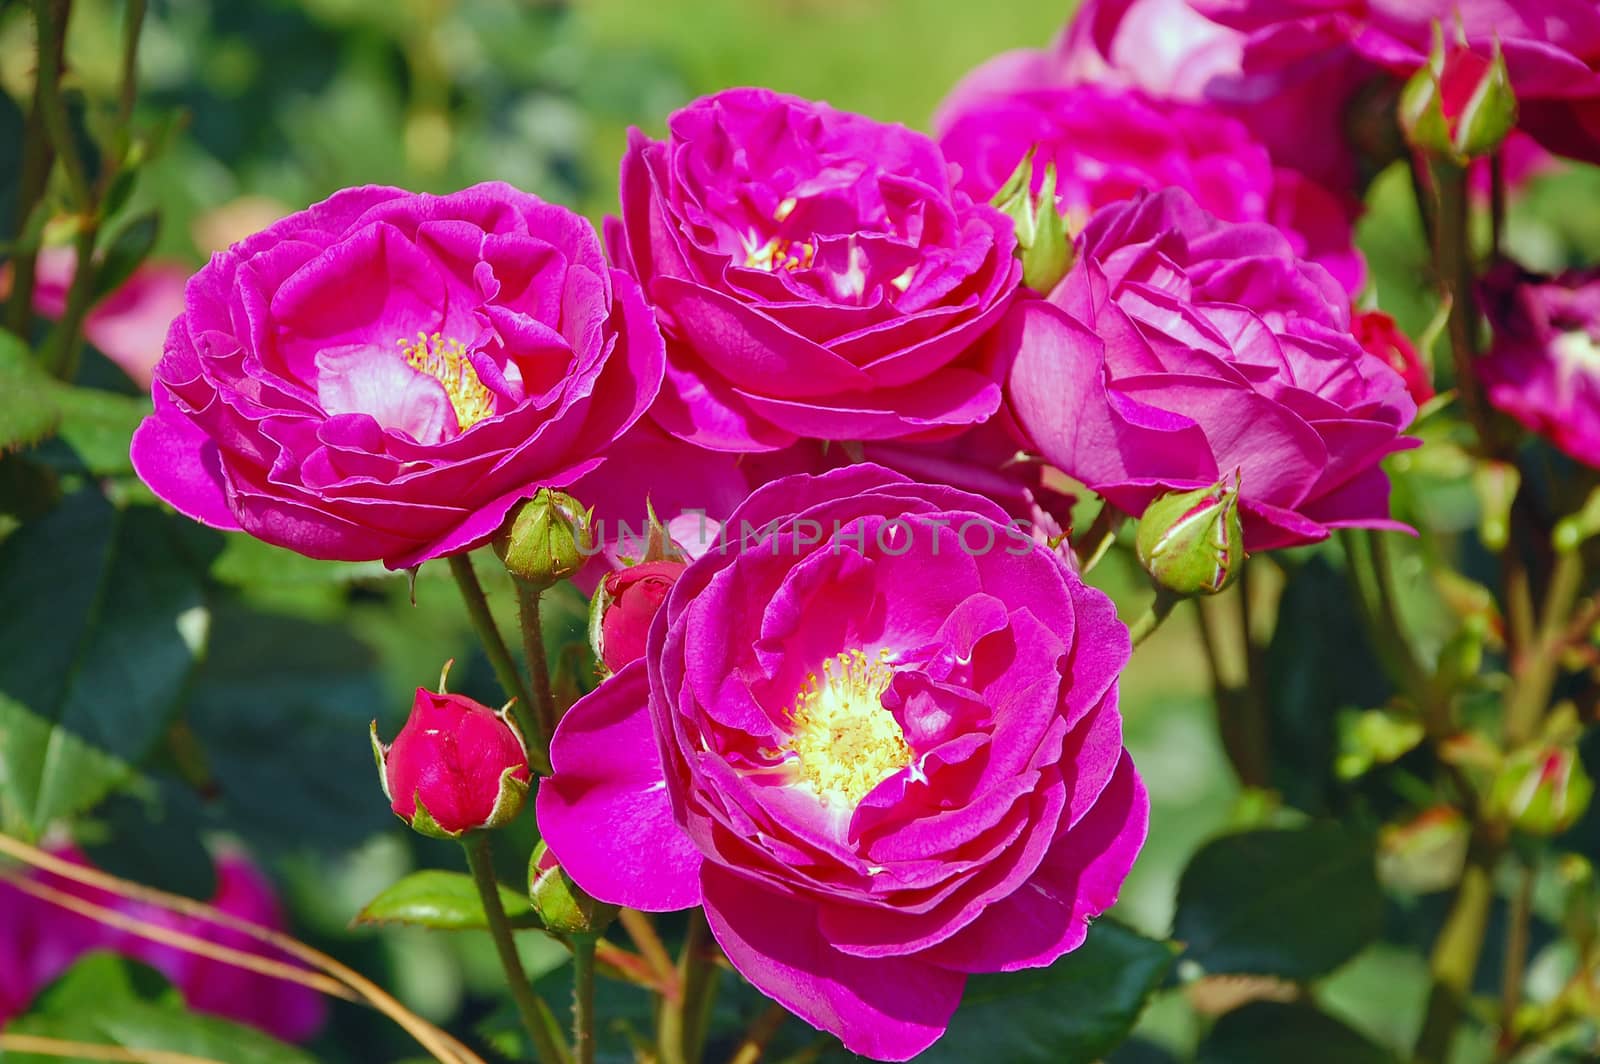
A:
(278, 104)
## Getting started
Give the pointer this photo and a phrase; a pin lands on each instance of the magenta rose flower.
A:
(1544, 366)
(1107, 144)
(631, 598)
(385, 374)
(815, 273)
(877, 740)
(1181, 348)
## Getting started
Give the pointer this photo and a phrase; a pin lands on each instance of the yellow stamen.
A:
(847, 742)
(446, 361)
(779, 254)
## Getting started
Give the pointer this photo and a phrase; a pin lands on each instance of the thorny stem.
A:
(535, 1014)
(544, 702)
(583, 997)
(505, 668)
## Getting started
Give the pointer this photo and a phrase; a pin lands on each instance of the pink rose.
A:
(126, 326)
(385, 374)
(1181, 348)
(1544, 366)
(456, 766)
(631, 600)
(1107, 144)
(814, 272)
(878, 740)
(1380, 337)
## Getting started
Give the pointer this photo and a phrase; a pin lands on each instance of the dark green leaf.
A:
(1073, 1012)
(99, 425)
(1270, 1032)
(153, 839)
(1294, 903)
(124, 251)
(96, 1002)
(281, 709)
(446, 901)
(28, 412)
(109, 608)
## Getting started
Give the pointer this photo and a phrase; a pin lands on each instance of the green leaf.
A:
(28, 412)
(98, 425)
(103, 621)
(125, 250)
(1294, 903)
(1271, 1032)
(1073, 1012)
(96, 1001)
(446, 901)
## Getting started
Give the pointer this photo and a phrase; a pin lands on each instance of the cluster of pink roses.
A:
(881, 759)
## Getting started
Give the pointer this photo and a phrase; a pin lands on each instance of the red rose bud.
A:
(456, 766)
(1541, 791)
(623, 607)
(1043, 241)
(542, 542)
(1460, 104)
(562, 905)
(1380, 337)
(1190, 542)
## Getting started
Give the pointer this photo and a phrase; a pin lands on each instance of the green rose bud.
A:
(561, 904)
(1460, 105)
(1190, 542)
(1541, 790)
(543, 541)
(1043, 239)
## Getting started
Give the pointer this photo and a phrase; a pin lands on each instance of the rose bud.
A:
(1541, 791)
(544, 541)
(1190, 542)
(562, 905)
(624, 605)
(1380, 337)
(1460, 103)
(1043, 241)
(456, 766)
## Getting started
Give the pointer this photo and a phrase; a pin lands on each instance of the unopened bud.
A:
(1043, 238)
(456, 766)
(563, 906)
(1541, 790)
(1191, 542)
(542, 542)
(1460, 104)
(623, 607)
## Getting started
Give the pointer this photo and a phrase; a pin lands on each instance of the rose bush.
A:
(815, 273)
(878, 740)
(1181, 348)
(385, 374)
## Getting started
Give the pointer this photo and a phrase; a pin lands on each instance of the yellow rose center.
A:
(846, 741)
(446, 361)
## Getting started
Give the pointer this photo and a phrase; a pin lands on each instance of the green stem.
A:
(762, 1030)
(1516, 961)
(681, 1033)
(544, 702)
(1241, 719)
(1453, 259)
(1535, 679)
(133, 23)
(536, 1015)
(505, 668)
(583, 997)
(64, 349)
(38, 156)
(1158, 610)
(1455, 954)
(52, 21)
(1102, 532)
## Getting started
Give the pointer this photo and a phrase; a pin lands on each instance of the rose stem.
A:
(536, 1015)
(38, 157)
(761, 1031)
(1516, 962)
(1154, 614)
(505, 669)
(583, 997)
(544, 702)
(643, 932)
(682, 1029)
(1239, 722)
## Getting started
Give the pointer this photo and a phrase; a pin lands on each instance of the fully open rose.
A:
(878, 740)
(815, 273)
(1181, 348)
(385, 374)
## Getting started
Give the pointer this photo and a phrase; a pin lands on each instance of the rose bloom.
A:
(39, 941)
(385, 374)
(1107, 144)
(1544, 366)
(1292, 90)
(881, 757)
(1551, 48)
(1181, 348)
(1380, 337)
(815, 273)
